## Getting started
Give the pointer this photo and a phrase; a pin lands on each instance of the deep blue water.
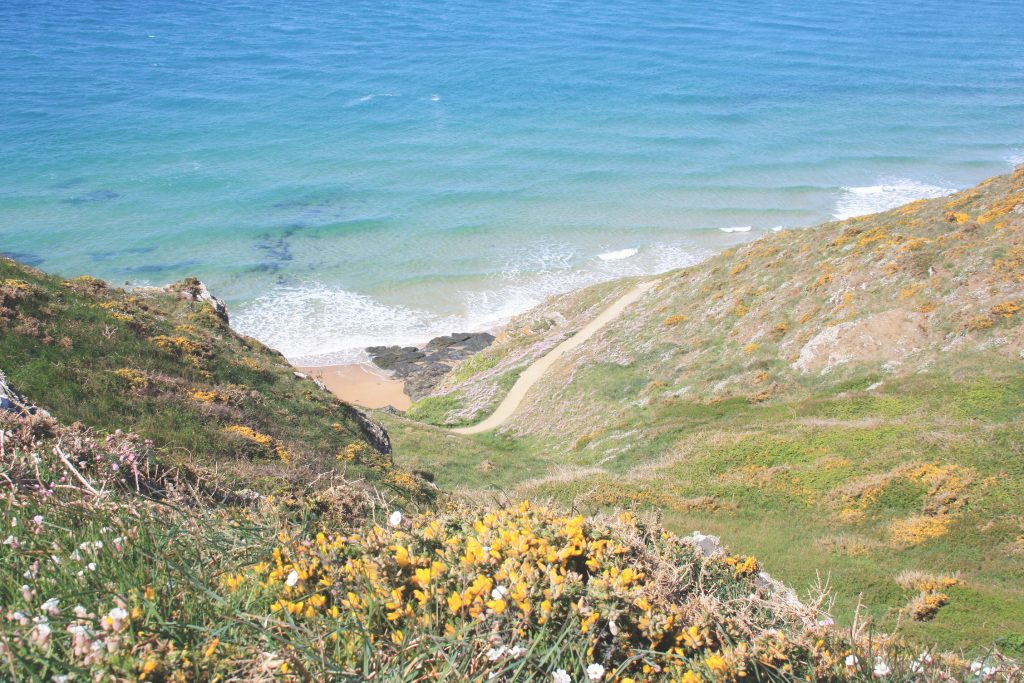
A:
(365, 172)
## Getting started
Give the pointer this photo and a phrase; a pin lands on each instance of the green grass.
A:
(476, 364)
(434, 409)
(772, 473)
(99, 355)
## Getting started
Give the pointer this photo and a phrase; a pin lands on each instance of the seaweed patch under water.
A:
(152, 268)
(23, 257)
(100, 195)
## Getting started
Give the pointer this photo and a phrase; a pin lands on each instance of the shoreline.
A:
(361, 384)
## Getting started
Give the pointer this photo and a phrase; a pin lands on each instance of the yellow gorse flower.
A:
(511, 571)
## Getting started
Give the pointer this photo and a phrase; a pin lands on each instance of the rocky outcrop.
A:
(423, 368)
(192, 289)
(11, 402)
(887, 336)
(373, 432)
(711, 546)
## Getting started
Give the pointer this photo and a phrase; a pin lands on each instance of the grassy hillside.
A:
(129, 574)
(165, 365)
(842, 401)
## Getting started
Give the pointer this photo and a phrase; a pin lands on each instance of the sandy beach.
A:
(361, 384)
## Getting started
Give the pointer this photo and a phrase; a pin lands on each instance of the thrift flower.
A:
(851, 661)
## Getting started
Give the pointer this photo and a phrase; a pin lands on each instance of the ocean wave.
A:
(1016, 157)
(315, 324)
(861, 201)
(739, 228)
(618, 255)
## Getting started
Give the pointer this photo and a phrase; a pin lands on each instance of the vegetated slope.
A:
(125, 572)
(167, 366)
(844, 399)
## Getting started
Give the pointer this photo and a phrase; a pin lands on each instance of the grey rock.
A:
(373, 432)
(11, 401)
(423, 368)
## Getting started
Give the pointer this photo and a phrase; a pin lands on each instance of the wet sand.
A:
(361, 384)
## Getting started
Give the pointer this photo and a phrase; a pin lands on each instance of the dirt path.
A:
(535, 371)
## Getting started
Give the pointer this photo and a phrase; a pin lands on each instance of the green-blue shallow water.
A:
(354, 173)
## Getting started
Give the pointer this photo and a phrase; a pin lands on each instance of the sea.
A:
(347, 173)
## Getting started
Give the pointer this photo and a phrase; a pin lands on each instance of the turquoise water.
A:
(355, 173)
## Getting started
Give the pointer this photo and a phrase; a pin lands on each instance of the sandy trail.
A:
(535, 371)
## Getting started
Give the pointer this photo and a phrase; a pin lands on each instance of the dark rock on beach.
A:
(423, 368)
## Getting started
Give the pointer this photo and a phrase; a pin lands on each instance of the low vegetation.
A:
(117, 570)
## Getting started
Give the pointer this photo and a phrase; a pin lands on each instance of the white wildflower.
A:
(52, 607)
(881, 669)
(561, 676)
(595, 672)
(396, 518)
(41, 634)
(115, 620)
(293, 578)
(495, 653)
(499, 593)
(851, 661)
(988, 672)
(517, 651)
(976, 667)
(827, 621)
(91, 566)
(27, 593)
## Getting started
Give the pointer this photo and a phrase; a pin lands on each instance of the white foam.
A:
(778, 228)
(315, 324)
(435, 98)
(1016, 157)
(741, 228)
(313, 320)
(861, 201)
(618, 255)
(374, 95)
